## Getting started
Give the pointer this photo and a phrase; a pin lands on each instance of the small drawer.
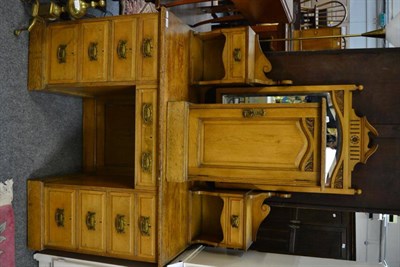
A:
(62, 53)
(60, 217)
(94, 51)
(145, 140)
(147, 60)
(91, 222)
(146, 230)
(120, 224)
(123, 62)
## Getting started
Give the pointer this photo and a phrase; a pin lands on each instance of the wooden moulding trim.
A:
(35, 214)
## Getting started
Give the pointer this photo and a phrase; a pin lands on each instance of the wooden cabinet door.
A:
(123, 62)
(145, 136)
(146, 222)
(235, 222)
(91, 221)
(94, 51)
(62, 53)
(235, 56)
(277, 145)
(60, 217)
(147, 42)
(121, 224)
(307, 232)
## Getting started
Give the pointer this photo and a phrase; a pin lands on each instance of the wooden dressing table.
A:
(156, 160)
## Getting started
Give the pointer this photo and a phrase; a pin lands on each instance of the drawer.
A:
(62, 53)
(147, 61)
(60, 217)
(146, 230)
(235, 56)
(94, 51)
(91, 221)
(145, 139)
(235, 222)
(120, 224)
(123, 62)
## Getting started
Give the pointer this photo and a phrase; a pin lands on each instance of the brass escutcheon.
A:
(91, 220)
(147, 47)
(92, 51)
(235, 221)
(59, 217)
(253, 112)
(121, 49)
(237, 54)
(147, 113)
(144, 225)
(120, 223)
(147, 161)
(62, 53)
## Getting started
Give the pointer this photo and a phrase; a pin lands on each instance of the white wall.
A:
(368, 236)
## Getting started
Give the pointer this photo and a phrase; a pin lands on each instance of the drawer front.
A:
(91, 221)
(270, 144)
(120, 224)
(235, 222)
(123, 62)
(146, 230)
(60, 218)
(236, 56)
(63, 54)
(145, 161)
(94, 51)
(148, 48)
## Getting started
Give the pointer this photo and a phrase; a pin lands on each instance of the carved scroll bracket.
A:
(260, 210)
(359, 135)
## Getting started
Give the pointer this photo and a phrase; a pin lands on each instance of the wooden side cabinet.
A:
(228, 56)
(226, 218)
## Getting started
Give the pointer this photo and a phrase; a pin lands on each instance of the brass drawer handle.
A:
(235, 221)
(253, 112)
(62, 53)
(147, 113)
(120, 223)
(147, 47)
(59, 217)
(144, 225)
(92, 51)
(91, 220)
(237, 54)
(147, 161)
(121, 49)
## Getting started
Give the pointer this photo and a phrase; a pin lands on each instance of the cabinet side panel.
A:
(35, 215)
(36, 60)
(173, 201)
(89, 134)
(177, 141)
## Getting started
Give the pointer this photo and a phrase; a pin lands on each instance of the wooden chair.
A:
(328, 14)
(223, 12)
